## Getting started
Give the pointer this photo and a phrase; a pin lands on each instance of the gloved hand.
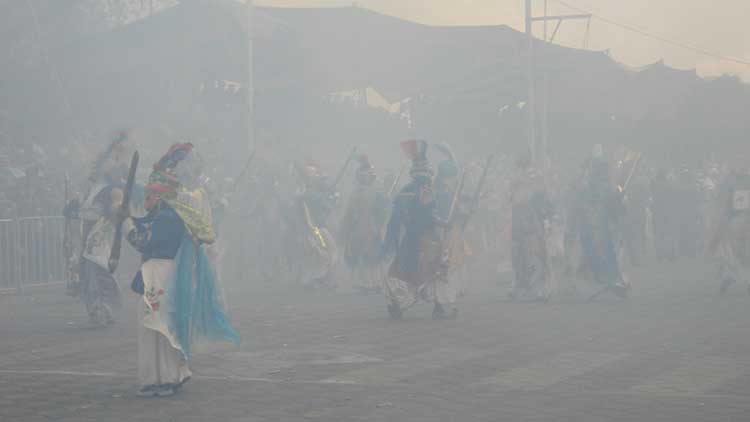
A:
(71, 209)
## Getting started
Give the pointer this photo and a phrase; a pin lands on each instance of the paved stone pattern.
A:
(675, 351)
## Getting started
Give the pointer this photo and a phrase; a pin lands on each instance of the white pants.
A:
(158, 362)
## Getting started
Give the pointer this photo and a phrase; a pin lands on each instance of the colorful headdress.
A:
(169, 183)
(416, 151)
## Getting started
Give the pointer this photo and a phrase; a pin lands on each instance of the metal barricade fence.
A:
(39, 252)
(8, 253)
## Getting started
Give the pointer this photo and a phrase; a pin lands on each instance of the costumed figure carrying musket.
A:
(414, 235)
(729, 239)
(316, 253)
(181, 297)
(600, 209)
(531, 209)
(88, 275)
(361, 229)
(446, 184)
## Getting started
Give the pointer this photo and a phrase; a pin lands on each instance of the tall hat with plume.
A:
(416, 151)
(366, 171)
(447, 168)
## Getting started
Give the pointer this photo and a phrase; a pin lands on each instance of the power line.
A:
(657, 37)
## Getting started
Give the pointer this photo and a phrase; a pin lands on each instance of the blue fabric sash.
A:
(197, 306)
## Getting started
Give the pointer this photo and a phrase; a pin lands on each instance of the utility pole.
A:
(537, 155)
(250, 87)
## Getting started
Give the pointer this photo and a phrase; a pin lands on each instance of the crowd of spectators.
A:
(29, 186)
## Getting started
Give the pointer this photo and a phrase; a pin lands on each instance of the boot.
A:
(395, 311)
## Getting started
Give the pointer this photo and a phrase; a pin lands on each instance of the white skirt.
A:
(160, 359)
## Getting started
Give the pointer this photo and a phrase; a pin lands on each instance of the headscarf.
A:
(174, 181)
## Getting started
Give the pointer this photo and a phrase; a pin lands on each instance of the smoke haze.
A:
(718, 26)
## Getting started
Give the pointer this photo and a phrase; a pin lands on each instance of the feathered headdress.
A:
(416, 151)
(449, 166)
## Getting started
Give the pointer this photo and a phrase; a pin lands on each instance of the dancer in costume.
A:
(361, 229)
(182, 301)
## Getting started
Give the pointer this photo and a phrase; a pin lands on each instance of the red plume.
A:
(410, 149)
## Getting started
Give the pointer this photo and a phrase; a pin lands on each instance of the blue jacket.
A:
(410, 221)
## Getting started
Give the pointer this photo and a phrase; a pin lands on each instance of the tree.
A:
(122, 12)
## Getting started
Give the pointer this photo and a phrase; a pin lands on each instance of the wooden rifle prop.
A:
(618, 290)
(478, 192)
(122, 214)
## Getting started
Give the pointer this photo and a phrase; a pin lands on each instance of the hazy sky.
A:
(719, 26)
